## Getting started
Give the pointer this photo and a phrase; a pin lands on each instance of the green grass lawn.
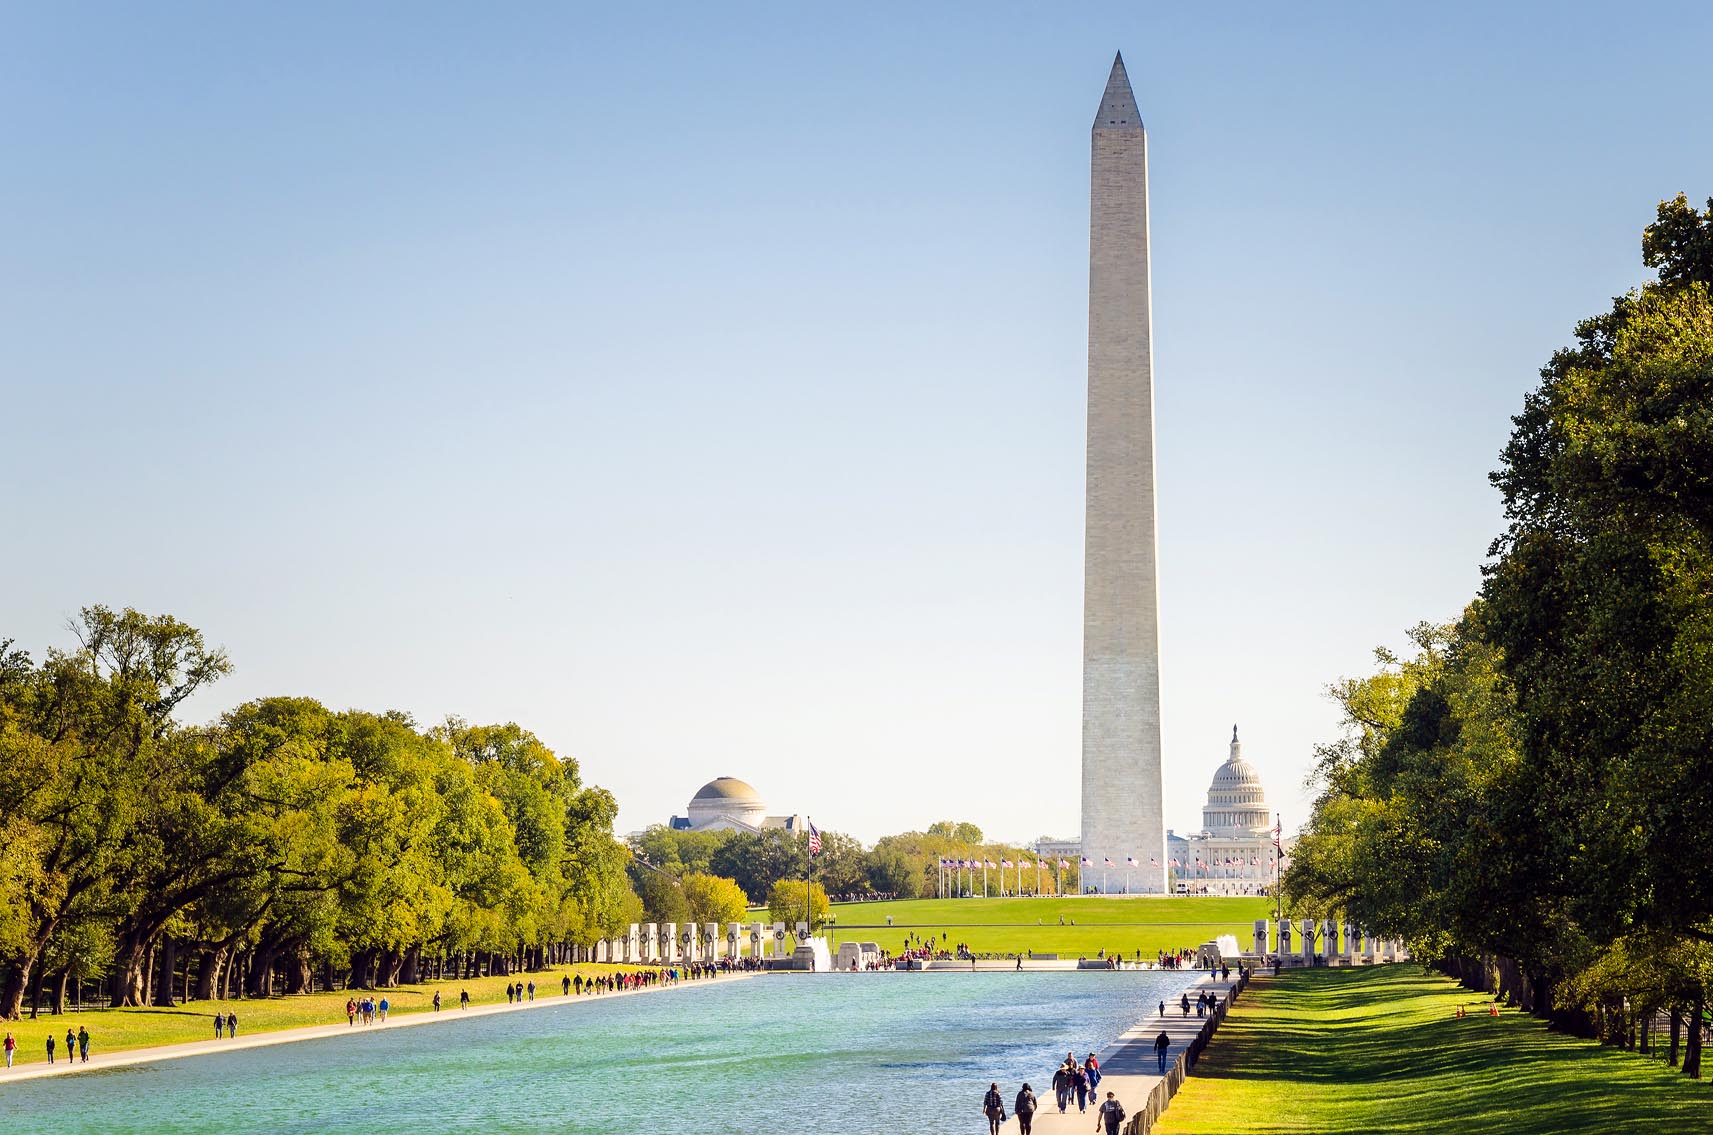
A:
(1379, 1049)
(1017, 925)
(112, 1030)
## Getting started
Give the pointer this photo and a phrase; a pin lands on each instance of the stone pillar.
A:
(1368, 947)
(1260, 946)
(758, 936)
(711, 940)
(1349, 944)
(668, 941)
(1308, 931)
(1284, 938)
(781, 941)
(687, 942)
(1329, 939)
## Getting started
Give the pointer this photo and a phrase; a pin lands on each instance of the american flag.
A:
(1152, 862)
(1108, 860)
(814, 839)
(1087, 862)
(1005, 863)
(1130, 861)
(1276, 835)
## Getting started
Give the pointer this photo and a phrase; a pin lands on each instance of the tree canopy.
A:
(281, 841)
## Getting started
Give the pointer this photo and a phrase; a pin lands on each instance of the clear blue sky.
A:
(702, 386)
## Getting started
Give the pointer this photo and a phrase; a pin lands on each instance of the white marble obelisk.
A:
(1123, 814)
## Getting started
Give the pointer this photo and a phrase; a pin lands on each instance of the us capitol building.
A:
(1232, 854)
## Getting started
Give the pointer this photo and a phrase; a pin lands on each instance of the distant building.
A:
(727, 804)
(1233, 853)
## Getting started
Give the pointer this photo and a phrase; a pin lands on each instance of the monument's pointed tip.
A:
(1118, 102)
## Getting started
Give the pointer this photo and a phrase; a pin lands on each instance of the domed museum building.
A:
(727, 804)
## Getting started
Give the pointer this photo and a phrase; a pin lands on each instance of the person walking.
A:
(437, 1000)
(1079, 1081)
(12, 1046)
(532, 991)
(1185, 1002)
(50, 1048)
(1093, 1067)
(1110, 1115)
(1024, 1108)
(83, 1043)
(350, 1011)
(565, 986)
(463, 998)
(70, 1045)
(1062, 1086)
(1161, 1044)
(219, 1024)
(992, 1104)
(231, 1026)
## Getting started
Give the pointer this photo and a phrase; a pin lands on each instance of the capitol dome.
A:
(1236, 802)
(727, 798)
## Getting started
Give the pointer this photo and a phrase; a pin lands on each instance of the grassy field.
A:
(113, 1030)
(1381, 1050)
(1004, 926)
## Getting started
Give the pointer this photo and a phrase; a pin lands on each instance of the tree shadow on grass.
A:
(1385, 1052)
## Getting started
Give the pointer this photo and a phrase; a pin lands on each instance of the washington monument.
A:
(1123, 826)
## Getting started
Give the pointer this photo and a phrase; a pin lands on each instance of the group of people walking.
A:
(1076, 1081)
(368, 1010)
(1070, 1080)
(76, 1046)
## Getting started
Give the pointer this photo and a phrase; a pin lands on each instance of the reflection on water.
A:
(839, 1054)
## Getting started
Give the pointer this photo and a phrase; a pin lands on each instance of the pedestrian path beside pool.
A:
(1128, 1066)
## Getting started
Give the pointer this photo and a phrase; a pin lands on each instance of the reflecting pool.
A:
(842, 1054)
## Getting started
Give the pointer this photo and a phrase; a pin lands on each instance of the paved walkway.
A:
(99, 1060)
(1128, 1066)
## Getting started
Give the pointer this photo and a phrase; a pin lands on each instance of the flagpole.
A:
(1278, 854)
(809, 880)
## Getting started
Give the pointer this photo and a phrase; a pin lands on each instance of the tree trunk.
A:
(57, 1003)
(359, 975)
(261, 981)
(1692, 1051)
(409, 971)
(125, 985)
(300, 978)
(166, 973)
(36, 996)
(207, 966)
(1676, 1036)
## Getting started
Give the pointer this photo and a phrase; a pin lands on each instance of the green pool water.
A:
(835, 1054)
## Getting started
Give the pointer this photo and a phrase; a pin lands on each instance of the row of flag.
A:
(1129, 861)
